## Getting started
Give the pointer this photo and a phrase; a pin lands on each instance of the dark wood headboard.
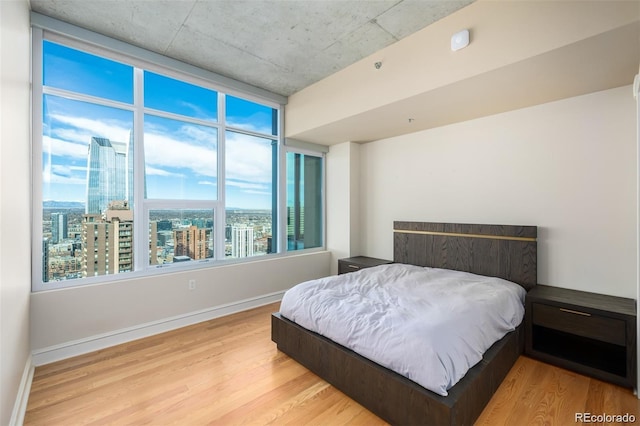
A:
(504, 251)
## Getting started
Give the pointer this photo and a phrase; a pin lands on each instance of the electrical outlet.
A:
(192, 284)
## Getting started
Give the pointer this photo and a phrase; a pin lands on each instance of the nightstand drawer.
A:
(353, 264)
(580, 323)
(345, 267)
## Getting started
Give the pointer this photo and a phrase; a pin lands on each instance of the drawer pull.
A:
(575, 312)
(354, 266)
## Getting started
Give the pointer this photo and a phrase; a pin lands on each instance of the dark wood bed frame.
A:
(504, 251)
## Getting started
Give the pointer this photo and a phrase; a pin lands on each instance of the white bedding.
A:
(430, 325)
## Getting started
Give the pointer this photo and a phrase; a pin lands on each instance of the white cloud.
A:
(55, 146)
(257, 192)
(165, 151)
(206, 182)
(245, 185)
(198, 111)
(259, 122)
(198, 135)
(114, 130)
(153, 171)
(80, 136)
(248, 158)
(61, 175)
(66, 170)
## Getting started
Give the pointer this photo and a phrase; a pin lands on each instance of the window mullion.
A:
(221, 213)
(140, 219)
(179, 117)
(68, 94)
(282, 211)
(250, 133)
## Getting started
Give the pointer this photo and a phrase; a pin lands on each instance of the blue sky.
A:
(180, 157)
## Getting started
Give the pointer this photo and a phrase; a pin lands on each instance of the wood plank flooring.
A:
(227, 371)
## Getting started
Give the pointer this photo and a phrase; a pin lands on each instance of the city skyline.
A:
(67, 257)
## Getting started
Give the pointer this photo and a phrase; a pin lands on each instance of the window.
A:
(142, 170)
(180, 235)
(86, 165)
(304, 201)
(249, 193)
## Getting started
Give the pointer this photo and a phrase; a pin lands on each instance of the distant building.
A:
(107, 241)
(62, 267)
(164, 225)
(295, 228)
(107, 174)
(164, 238)
(153, 243)
(45, 260)
(242, 241)
(192, 241)
(59, 227)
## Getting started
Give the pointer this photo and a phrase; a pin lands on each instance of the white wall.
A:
(568, 167)
(71, 316)
(343, 215)
(15, 190)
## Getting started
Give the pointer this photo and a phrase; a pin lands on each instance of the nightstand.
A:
(352, 264)
(589, 333)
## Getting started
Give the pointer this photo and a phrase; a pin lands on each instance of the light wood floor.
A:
(227, 371)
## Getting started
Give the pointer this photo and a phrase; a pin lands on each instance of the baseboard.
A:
(102, 341)
(20, 406)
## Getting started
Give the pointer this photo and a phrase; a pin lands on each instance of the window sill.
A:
(170, 269)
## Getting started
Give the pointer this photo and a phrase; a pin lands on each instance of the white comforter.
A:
(430, 325)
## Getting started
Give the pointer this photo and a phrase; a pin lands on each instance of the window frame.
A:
(282, 237)
(45, 28)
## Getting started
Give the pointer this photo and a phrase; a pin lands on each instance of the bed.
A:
(504, 251)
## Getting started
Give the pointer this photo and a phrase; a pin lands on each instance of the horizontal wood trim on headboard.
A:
(504, 251)
(454, 234)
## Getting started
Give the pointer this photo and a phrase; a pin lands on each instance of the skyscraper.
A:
(241, 241)
(107, 241)
(59, 227)
(107, 174)
(153, 242)
(45, 259)
(192, 241)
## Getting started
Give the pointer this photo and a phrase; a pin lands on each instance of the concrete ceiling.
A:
(279, 45)
(522, 53)
(559, 74)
